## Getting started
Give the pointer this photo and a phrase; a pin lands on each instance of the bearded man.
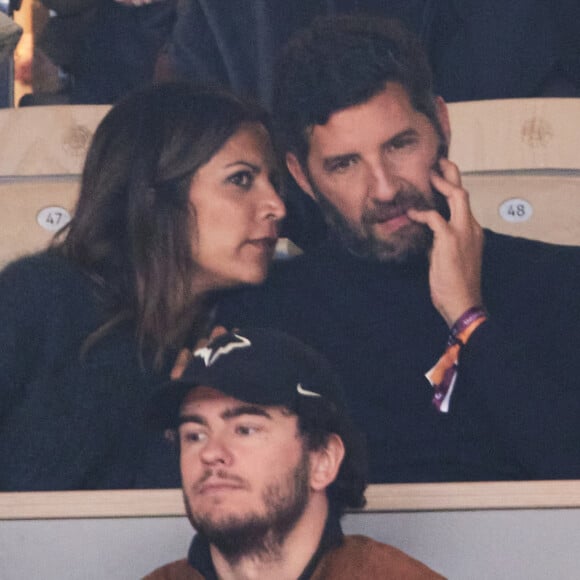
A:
(457, 346)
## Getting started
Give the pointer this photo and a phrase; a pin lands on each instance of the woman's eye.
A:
(242, 179)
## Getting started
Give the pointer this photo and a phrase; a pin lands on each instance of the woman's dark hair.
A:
(133, 225)
(318, 418)
(341, 61)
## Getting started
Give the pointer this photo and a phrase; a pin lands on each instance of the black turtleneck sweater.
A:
(515, 407)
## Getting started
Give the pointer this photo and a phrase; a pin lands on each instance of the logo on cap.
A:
(305, 392)
(210, 353)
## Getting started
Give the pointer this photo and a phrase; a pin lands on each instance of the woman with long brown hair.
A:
(178, 201)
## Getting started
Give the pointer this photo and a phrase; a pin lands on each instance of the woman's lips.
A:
(267, 244)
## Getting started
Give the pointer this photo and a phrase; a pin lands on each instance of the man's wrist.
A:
(443, 375)
(466, 324)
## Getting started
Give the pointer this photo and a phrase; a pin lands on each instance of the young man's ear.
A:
(298, 174)
(325, 463)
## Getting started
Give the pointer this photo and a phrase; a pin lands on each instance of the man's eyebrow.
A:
(245, 410)
(410, 132)
(227, 414)
(192, 419)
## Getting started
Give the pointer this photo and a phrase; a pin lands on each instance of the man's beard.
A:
(259, 535)
(410, 241)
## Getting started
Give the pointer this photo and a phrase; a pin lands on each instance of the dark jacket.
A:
(108, 48)
(478, 50)
(68, 421)
(337, 557)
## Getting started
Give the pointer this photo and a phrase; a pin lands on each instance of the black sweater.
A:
(516, 405)
(67, 422)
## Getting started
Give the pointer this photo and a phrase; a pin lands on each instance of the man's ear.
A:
(298, 174)
(443, 116)
(325, 463)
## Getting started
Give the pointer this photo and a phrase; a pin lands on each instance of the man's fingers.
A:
(448, 188)
(448, 181)
(457, 198)
(450, 171)
(430, 218)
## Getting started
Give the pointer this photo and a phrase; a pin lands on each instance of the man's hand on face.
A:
(455, 258)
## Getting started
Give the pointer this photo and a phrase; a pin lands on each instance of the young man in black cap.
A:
(269, 462)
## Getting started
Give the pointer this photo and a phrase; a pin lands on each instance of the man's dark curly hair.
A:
(341, 61)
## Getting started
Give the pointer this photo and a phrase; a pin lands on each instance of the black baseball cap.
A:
(256, 365)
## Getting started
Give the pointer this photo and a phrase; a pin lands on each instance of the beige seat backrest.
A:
(43, 151)
(520, 161)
